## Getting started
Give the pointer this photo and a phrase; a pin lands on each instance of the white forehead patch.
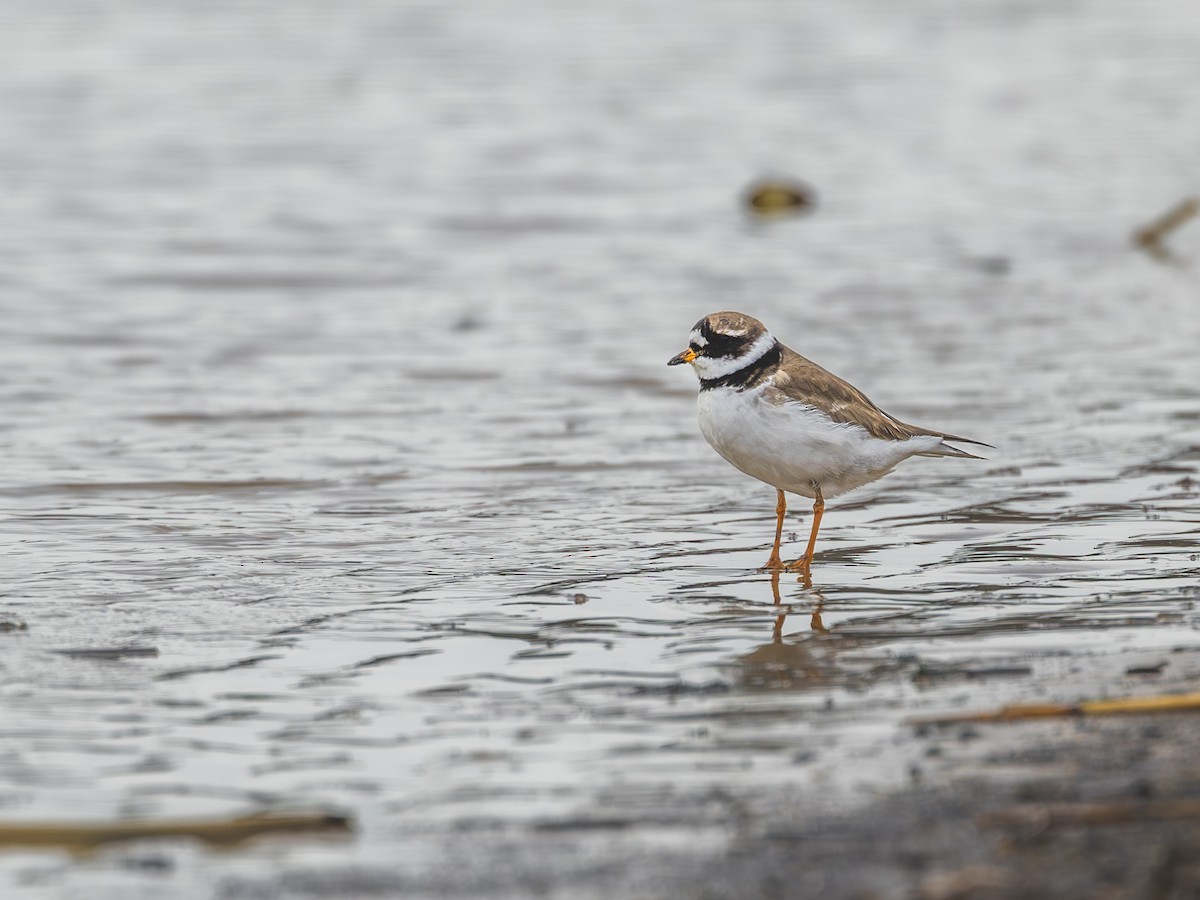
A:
(698, 339)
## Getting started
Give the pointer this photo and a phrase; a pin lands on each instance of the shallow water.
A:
(336, 395)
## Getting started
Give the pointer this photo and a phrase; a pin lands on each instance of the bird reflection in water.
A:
(815, 658)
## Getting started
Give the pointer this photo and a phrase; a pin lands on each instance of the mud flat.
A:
(1096, 809)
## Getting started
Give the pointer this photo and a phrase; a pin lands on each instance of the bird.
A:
(781, 418)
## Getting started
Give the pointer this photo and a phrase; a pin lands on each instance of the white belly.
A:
(794, 447)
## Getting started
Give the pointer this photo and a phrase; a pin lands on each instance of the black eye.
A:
(723, 345)
(694, 347)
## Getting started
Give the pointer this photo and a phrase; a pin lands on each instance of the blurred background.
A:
(342, 469)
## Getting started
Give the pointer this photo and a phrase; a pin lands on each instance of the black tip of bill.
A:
(678, 359)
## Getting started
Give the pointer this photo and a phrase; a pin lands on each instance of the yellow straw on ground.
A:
(1125, 706)
(85, 835)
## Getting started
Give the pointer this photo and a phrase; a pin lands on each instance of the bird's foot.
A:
(774, 564)
(803, 564)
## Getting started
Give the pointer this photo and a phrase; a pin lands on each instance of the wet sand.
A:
(1103, 809)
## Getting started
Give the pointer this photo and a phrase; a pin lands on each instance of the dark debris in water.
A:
(681, 688)
(932, 672)
(10, 622)
(778, 197)
(1151, 669)
(108, 652)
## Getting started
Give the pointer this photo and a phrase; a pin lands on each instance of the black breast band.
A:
(747, 376)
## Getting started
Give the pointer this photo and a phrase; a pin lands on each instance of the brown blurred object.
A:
(1150, 237)
(775, 198)
(1124, 706)
(216, 832)
(1043, 816)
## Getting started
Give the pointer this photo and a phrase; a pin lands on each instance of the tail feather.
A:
(947, 450)
(944, 449)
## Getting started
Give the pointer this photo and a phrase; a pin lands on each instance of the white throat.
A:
(708, 367)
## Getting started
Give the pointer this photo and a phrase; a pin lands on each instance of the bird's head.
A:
(723, 343)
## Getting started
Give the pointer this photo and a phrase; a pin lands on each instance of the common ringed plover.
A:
(784, 420)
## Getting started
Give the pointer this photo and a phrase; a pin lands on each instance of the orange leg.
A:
(775, 563)
(804, 563)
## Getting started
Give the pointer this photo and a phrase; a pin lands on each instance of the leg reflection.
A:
(777, 634)
(815, 623)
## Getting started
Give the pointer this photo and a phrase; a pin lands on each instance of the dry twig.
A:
(1150, 236)
(224, 832)
(1124, 706)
